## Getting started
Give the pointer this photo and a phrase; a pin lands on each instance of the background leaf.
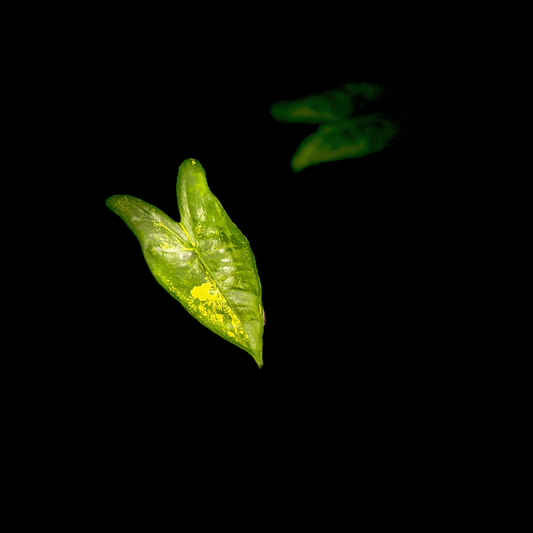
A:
(352, 123)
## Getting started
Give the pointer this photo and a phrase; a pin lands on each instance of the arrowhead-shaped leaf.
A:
(204, 261)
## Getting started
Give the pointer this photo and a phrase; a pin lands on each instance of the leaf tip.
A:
(110, 202)
(258, 358)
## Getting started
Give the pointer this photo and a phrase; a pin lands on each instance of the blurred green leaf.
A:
(347, 126)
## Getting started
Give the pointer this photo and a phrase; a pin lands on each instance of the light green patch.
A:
(216, 310)
(202, 292)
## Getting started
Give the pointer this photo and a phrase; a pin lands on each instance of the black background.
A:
(125, 385)
(345, 256)
(338, 245)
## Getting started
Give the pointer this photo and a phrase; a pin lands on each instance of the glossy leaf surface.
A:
(204, 261)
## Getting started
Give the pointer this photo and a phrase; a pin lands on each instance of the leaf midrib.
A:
(195, 249)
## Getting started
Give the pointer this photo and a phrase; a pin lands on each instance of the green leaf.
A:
(347, 129)
(204, 261)
(343, 139)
